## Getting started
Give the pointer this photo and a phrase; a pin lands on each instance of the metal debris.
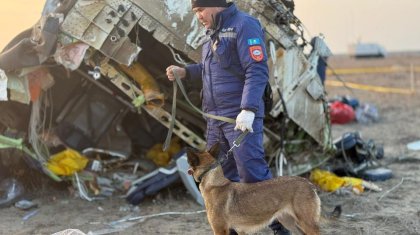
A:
(110, 93)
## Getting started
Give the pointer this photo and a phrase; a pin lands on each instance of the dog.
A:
(249, 207)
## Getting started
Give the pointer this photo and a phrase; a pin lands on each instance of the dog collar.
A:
(212, 166)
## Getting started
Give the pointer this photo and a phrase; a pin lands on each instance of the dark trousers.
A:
(247, 163)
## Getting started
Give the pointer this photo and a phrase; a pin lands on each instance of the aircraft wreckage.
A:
(90, 76)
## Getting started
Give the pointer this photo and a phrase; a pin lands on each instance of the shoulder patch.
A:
(256, 53)
(254, 41)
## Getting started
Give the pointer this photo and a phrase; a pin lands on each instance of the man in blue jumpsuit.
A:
(234, 72)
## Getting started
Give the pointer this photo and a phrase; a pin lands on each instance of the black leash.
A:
(212, 166)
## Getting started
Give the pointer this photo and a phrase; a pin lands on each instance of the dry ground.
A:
(396, 210)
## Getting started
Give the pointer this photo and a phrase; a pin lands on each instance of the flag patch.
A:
(256, 53)
(254, 41)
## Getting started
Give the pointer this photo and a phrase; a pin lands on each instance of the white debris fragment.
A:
(178, 7)
(3, 85)
(71, 56)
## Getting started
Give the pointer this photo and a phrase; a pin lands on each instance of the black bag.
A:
(351, 145)
(268, 99)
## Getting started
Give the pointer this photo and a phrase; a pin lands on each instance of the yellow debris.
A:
(152, 94)
(67, 162)
(161, 158)
(330, 182)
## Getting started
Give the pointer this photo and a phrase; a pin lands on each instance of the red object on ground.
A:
(341, 113)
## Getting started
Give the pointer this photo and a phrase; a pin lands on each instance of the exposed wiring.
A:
(392, 189)
(82, 189)
(37, 126)
(177, 57)
(156, 215)
(337, 76)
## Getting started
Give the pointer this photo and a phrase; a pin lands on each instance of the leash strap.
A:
(236, 142)
(220, 118)
(172, 123)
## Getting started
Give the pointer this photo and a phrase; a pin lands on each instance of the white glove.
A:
(244, 121)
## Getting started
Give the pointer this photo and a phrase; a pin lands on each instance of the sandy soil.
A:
(395, 210)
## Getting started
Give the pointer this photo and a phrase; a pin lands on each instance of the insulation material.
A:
(3, 86)
(19, 89)
(123, 82)
(67, 162)
(38, 80)
(330, 182)
(71, 56)
(162, 158)
(154, 97)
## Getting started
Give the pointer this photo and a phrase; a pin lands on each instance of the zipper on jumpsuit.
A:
(209, 57)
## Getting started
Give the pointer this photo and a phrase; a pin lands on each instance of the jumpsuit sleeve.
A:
(253, 58)
(194, 71)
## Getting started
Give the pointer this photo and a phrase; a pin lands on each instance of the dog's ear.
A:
(214, 150)
(192, 157)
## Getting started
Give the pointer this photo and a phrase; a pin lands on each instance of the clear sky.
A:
(392, 23)
(16, 16)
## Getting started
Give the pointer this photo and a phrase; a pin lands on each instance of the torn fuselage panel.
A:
(105, 26)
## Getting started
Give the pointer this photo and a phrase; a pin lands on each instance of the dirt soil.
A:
(395, 210)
